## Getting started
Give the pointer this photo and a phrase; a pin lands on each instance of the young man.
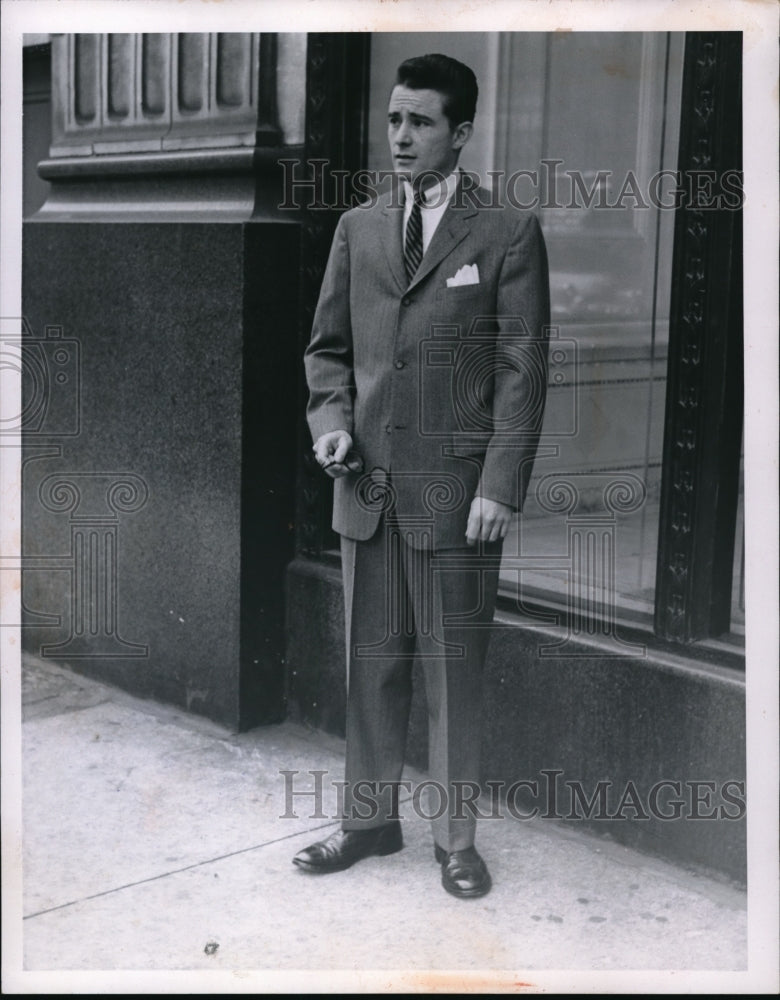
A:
(427, 376)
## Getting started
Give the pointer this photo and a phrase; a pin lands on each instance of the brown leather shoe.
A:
(344, 847)
(463, 873)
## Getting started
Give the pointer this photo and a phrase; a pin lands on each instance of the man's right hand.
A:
(330, 450)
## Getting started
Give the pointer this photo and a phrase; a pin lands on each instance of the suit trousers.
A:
(405, 603)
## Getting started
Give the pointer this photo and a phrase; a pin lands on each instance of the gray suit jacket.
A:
(442, 388)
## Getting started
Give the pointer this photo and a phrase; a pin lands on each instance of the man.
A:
(427, 374)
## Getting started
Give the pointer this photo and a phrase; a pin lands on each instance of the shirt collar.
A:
(438, 194)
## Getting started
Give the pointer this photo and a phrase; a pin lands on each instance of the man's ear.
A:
(461, 134)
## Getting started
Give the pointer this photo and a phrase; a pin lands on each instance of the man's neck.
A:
(435, 185)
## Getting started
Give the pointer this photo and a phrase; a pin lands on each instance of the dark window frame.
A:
(704, 393)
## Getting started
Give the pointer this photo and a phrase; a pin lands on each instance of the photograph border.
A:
(759, 23)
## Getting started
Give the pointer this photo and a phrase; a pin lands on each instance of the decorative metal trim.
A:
(337, 92)
(701, 443)
(268, 132)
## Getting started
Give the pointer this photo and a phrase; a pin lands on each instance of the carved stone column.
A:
(176, 122)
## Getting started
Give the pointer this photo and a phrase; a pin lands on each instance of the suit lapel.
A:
(393, 220)
(452, 230)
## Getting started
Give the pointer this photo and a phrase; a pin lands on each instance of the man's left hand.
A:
(489, 520)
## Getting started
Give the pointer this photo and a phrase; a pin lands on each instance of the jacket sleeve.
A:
(328, 358)
(520, 367)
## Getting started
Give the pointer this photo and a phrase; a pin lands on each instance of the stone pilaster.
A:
(160, 291)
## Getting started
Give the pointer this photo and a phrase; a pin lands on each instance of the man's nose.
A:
(403, 136)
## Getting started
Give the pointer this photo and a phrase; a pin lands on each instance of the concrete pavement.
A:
(153, 841)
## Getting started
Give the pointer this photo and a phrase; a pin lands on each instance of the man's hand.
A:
(489, 520)
(330, 450)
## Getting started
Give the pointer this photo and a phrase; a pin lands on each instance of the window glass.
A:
(599, 113)
(594, 117)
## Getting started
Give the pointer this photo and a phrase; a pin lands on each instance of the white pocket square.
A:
(466, 275)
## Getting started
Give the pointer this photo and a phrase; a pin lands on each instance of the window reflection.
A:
(608, 118)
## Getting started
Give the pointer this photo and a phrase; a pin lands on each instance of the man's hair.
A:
(455, 81)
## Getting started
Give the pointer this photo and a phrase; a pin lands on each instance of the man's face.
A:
(420, 135)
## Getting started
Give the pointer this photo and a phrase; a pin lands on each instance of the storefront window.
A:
(592, 119)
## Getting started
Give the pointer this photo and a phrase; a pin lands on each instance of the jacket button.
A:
(388, 429)
(406, 300)
(400, 364)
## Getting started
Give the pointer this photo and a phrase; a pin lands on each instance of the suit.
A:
(441, 387)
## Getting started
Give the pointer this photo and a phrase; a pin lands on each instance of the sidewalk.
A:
(153, 840)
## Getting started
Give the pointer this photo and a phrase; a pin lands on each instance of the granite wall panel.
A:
(178, 336)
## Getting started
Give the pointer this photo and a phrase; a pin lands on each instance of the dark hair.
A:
(451, 78)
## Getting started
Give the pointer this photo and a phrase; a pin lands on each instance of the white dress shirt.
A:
(436, 198)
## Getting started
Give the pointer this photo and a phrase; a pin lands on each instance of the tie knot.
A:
(419, 198)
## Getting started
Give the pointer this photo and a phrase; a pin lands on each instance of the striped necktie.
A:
(413, 247)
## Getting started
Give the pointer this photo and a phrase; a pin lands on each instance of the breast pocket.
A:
(461, 304)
